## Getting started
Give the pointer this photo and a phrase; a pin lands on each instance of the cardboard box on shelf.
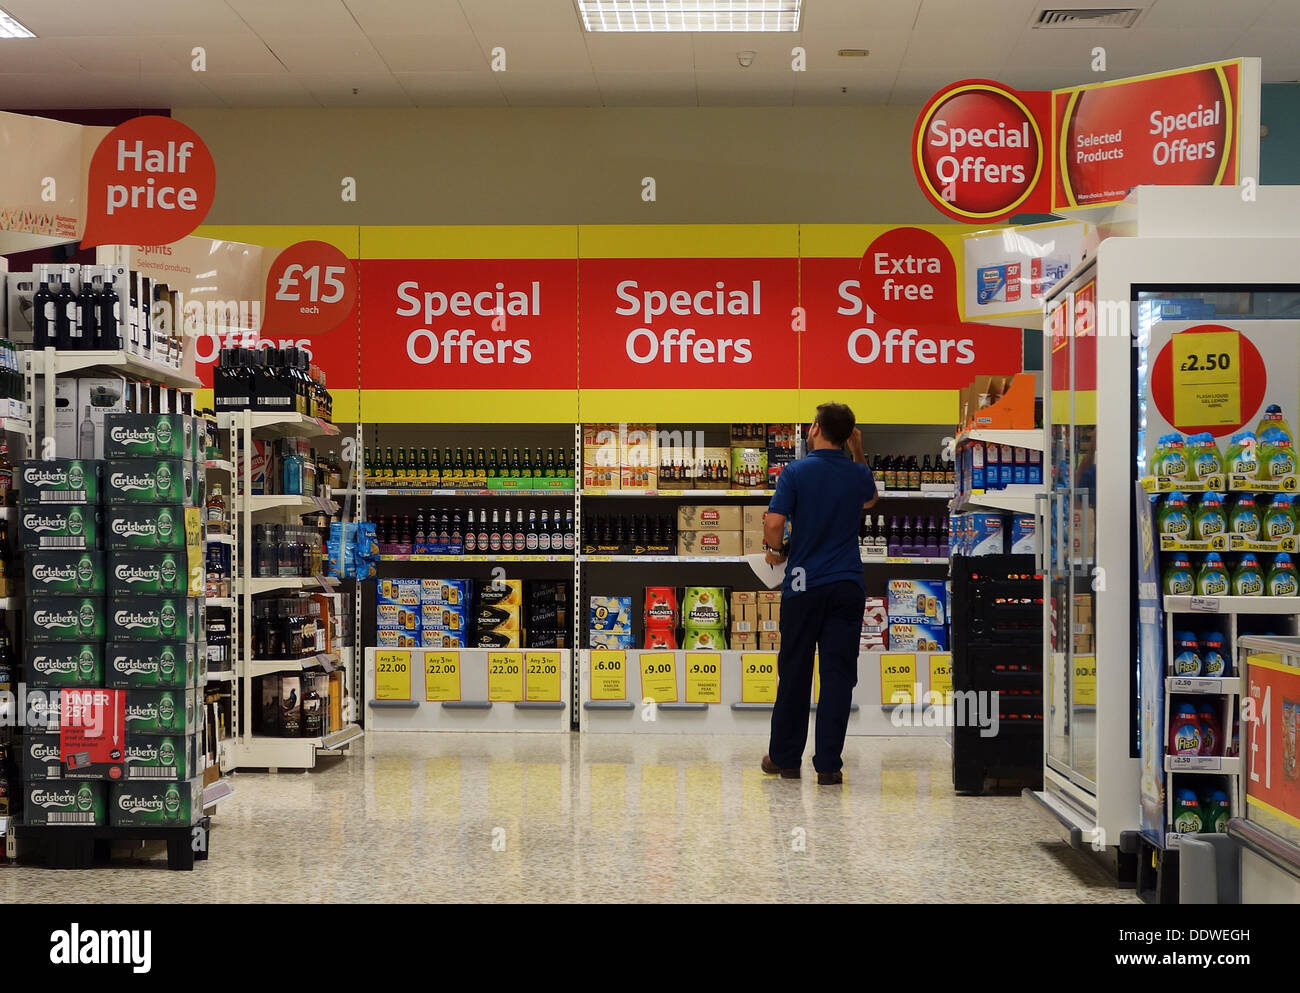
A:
(704, 606)
(66, 618)
(59, 483)
(709, 517)
(59, 573)
(769, 641)
(916, 598)
(547, 638)
(499, 639)
(156, 804)
(144, 527)
(397, 638)
(751, 543)
(432, 638)
(489, 618)
(163, 711)
(768, 617)
(753, 516)
(97, 398)
(611, 614)
(132, 665)
(744, 641)
(147, 572)
(42, 757)
(161, 757)
(65, 802)
(148, 436)
(710, 542)
(154, 618)
(915, 636)
(401, 592)
(69, 663)
(744, 616)
(706, 638)
(449, 591)
(64, 431)
(611, 639)
(875, 623)
(502, 593)
(395, 617)
(748, 467)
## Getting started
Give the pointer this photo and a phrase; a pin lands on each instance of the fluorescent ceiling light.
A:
(690, 15)
(10, 28)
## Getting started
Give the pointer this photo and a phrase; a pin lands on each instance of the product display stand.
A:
(223, 470)
(250, 750)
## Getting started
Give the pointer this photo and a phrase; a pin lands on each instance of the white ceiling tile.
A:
(1280, 14)
(823, 15)
(627, 52)
(1008, 16)
(409, 17)
(121, 54)
(373, 89)
(488, 16)
(245, 53)
(1029, 78)
(296, 17)
(1069, 51)
(728, 89)
(1268, 44)
(538, 51)
(33, 55)
(1203, 13)
(1153, 49)
(550, 89)
(280, 89)
(913, 87)
(452, 89)
(716, 51)
(886, 48)
(326, 54)
(865, 86)
(976, 52)
(152, 90)
(647, 89)
(125, 17)
(421, 53)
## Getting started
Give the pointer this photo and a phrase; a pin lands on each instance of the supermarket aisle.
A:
(606, 818)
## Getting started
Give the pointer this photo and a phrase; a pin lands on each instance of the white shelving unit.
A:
(224, 471)
(249, 750)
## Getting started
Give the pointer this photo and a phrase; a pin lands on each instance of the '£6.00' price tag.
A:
(310, 289)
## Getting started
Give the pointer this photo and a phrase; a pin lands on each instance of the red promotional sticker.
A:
(311, 288)
(92, 733)
(978, 150)
(152, 182)
(908, 274)
(1235, 371)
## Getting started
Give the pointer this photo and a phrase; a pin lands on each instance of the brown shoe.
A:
(830, 778)
(772, 769)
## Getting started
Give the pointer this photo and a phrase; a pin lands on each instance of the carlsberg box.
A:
(161, 711)
(48, 482)
(75, 573)
(65, 618)
(156, 804)
(129, 526)
(68, 528)
(147, 572)
(152, 618)
(59, 801)
(131, 665)
(149, 481)
(166, 757)
(58, 664)
(42, 757)
(131, 436)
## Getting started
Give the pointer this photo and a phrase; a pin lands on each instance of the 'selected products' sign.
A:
(688, 323)
(470, 323)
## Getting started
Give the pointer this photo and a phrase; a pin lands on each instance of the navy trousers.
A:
(827, 621)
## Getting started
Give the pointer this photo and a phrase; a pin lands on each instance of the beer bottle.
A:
(491, 470)
(539, 466)
(508, 535)
(389, 468)
(403, 471)
(530, 537)
(448, 472)
(457, 536)
(516, 465)
(484, 539)
(520, 538)
(480, 469)
(494, 535)
(368, 468)
(471, 535)
(569, 538)
(435, 469)
(550, 472)
(544, 533)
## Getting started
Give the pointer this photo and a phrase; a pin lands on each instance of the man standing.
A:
(822, 496)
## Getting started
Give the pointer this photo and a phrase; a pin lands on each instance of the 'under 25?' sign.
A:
(470, 323)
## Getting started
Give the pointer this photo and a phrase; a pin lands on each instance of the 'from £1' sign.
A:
(152, 182)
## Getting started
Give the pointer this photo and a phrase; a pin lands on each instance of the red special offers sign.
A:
(1169, 129)
(889, 321)
(469, 324)
(979, 150)
(1271, 742)
(688, 323)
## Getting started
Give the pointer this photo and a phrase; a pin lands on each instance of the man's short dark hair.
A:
(837, 422)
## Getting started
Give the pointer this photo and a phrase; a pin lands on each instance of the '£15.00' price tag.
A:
(310, 289)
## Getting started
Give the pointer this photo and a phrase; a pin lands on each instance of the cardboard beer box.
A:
(917, 598)
(42, 757)
(403, 592)
(916, 636)
(149, 481)
(710, 542)
(489, 618)
(58, 664)
(63, 802)
(444, 617)
(134, 665)
(143, 528)
(156, 804)
(454, 592)
(65, 618)
(162, 711)
(156, 436)
(611, 614)
(59, 482)
(499, 639)
(165, 757)
(709, 517)
(132, 572)
(153, 618)
(502, 593)
(65, 573)
(391, 617)
(612, 639)
(547, 638)
(442, 639)
(67, 528)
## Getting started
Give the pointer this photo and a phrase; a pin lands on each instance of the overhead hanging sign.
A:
(40, 182)
(311, 288)
(152, 181)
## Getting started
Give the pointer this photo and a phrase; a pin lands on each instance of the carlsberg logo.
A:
(43, 752)
(136, 573)
(54, 573)
(142, 712)
(37, 476)
(51, 618)
(136, 619)
(127, 666)
(131, 436)
(131, 481)
(49, 664)
(53, 798)
(139, 804)
(129, 528)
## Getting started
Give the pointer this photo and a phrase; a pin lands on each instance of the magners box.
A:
(65, 573)
(59, 664)
(150, 665)
(138, 527)
(170, 712)
(148, 572)
(64, 802)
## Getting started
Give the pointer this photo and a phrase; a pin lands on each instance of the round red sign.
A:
(978, 150)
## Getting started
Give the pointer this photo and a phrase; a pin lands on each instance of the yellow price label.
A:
(194, 551)
(505, 677)
(897, 678)
(941, 676)
(659, 676)
(1085, 680)
(441, 676)
(1207, 378)
(542, 676)
(703, 677)
(1218, 543)
(758, 677)
(607, 668)
(392, 675)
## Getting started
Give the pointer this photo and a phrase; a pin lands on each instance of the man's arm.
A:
(773, 532)
(855, 450)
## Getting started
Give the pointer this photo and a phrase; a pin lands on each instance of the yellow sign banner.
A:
(441, 676)
(392, 675)
(757, 677)
(897, 678)
(505, 677)
(608, 672)
(659, 676)
(703, 677)
(941, 675)
(1207, 378)
(542, 677)
(1085, 680)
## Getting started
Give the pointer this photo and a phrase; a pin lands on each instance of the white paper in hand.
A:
(769, 575)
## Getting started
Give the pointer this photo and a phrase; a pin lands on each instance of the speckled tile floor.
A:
(602, 818)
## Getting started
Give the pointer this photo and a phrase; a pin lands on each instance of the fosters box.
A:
(149, 436)
(916, 598)
(393, 617)
(162, 711)
(441, 639)
(68, 528)
(611, 614)
(73, 573)
(149, 481)
(403, 592)
(148, 572)
(131, 665)
(908, 636)
(59, 664)
(443, 617)
(449, 591)
(128, 527)
(153, 618)
(65, 618)
(397, 638)
(156, 804)
(59, 481)
(60, 801)
(160, 757)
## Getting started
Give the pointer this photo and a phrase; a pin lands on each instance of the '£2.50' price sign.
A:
(311, 288)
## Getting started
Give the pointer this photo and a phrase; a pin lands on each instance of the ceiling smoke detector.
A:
(746, 59)
(1087, 17)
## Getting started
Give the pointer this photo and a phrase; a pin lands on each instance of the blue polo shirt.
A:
(821, 495)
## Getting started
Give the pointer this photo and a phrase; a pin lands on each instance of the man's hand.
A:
(773, 558)
(855, 446)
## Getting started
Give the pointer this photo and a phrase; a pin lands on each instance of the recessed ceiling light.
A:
(690, 15)
(854, 53)
(10, 28)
